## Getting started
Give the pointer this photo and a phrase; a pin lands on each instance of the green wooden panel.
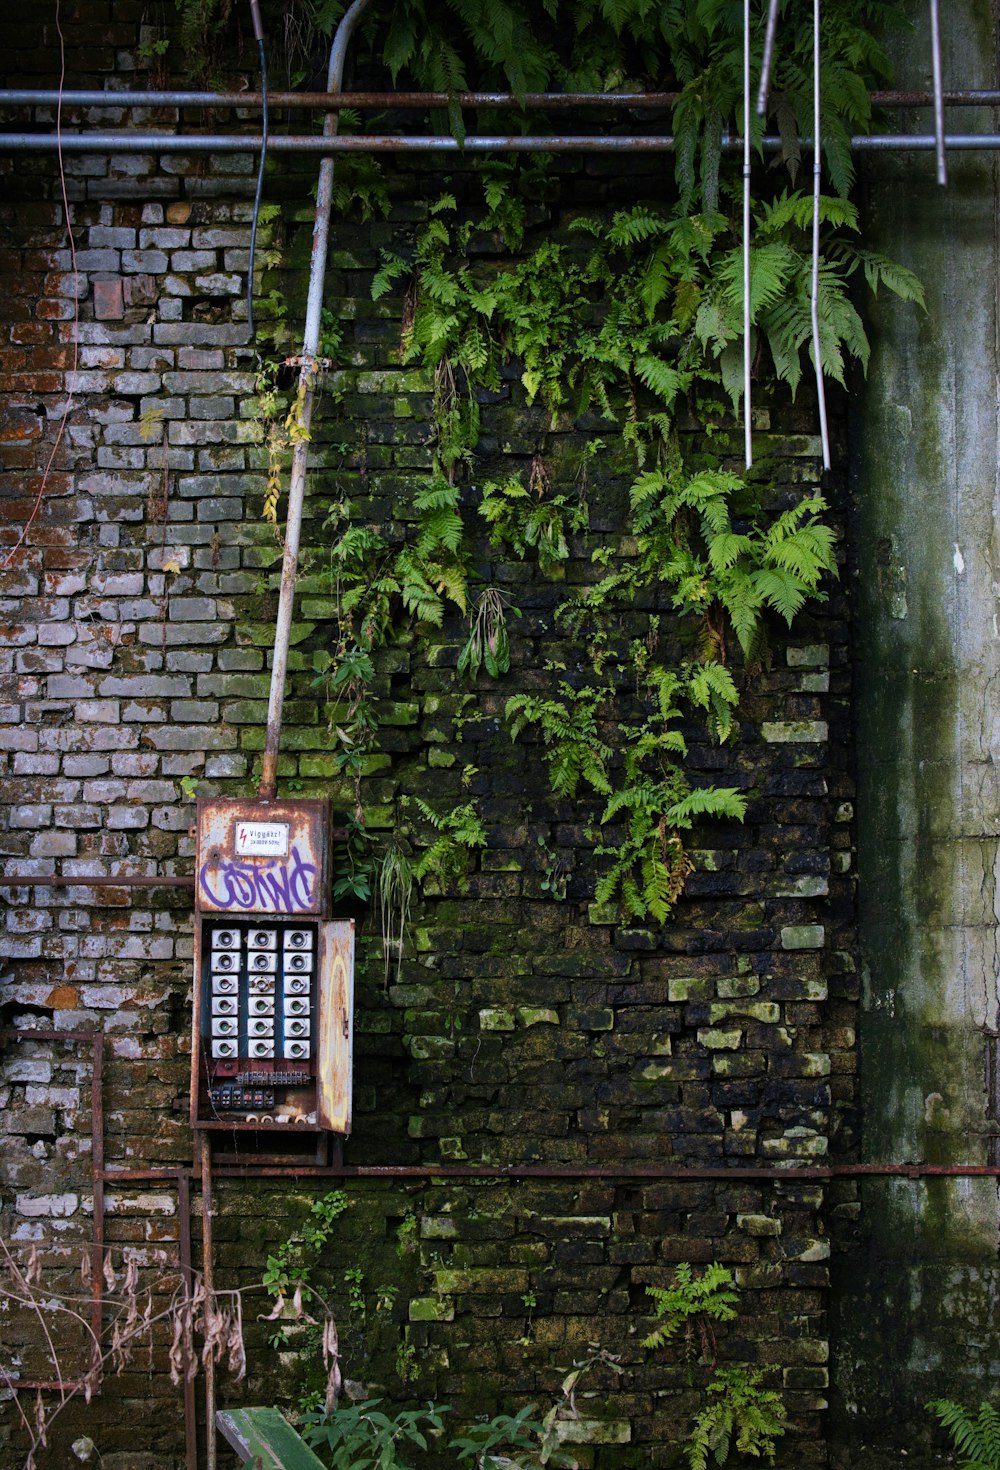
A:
(265, 1435)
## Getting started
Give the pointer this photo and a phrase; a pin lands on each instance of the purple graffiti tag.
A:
(279, 888)
(301, 880)
(273, 888)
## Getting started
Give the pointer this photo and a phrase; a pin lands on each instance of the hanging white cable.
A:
(765, 66)
(747, 430)
(942, 167)
(817, 157)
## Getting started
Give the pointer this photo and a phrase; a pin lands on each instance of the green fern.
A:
(692, 1302)
(742, 1415)
(459, 832)
(978, 1439)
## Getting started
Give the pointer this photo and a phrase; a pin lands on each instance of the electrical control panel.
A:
(273, 978)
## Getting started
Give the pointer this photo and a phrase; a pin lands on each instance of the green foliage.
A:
(691, 1305)
(781, 291)
(292, 1264)
(488, 645)
(362, 1437)
(739, 1414)
(457, 833)
(634, 319)
(520, 518)
(519, 1439)
(977, 1439)
(394, 886)
(736, 1409)
(722, 573)
(568, 726)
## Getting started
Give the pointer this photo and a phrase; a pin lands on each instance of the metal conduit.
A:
(747, 364)
(409, 101)
(138, 142)
(942, 167)
(303, 409)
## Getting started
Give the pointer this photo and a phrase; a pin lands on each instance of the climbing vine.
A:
(636, 320)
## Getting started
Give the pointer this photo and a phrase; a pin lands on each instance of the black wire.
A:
(260, 185)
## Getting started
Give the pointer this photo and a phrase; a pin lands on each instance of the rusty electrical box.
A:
(273, 980)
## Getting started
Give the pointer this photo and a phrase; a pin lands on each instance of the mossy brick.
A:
(728, 987)
(803, 936)
(398, 712)
(413, 380)
(716, 1039)
(758, 1225)
(593, 1431)
(262, 634)
(537, 1016)
(761, 1010)
(429, 1048)
(794, 732)
(590, 1018)
(319, 767)
(691, 987)
(481, 1282)
(496, 1019)
(431, 1309)
(807, 655)
(293, 737)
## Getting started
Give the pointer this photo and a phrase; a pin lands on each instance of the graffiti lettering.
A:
(272, 887)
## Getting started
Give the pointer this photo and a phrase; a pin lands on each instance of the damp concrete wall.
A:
(916, 1298)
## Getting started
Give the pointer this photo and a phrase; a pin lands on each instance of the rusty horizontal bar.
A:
(542, 1171)
(409, 101)
(138, 142)
(777, 1173)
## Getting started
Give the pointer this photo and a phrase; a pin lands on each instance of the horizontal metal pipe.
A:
(335, 102)
(598, 1171)
(555, 1171)
(409, 101)
(136, 142)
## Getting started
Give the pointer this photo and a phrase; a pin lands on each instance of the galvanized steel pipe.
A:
(942, 167)
(747, 428)
(140, 142)
(303, 410)
(323, 102)
(814, 290)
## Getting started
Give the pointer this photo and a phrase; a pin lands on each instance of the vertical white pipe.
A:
(306, 392)
(817, 164)
(942, 167)
(765, 66)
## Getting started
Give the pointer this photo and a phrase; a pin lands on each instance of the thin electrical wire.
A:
(814, 294)
(76, 307)
(260, 184)
(747, 428)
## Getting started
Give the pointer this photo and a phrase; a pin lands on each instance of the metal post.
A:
(747, 428)
(942, 167)
(304, 408)
(765, 66)
(814, 303)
